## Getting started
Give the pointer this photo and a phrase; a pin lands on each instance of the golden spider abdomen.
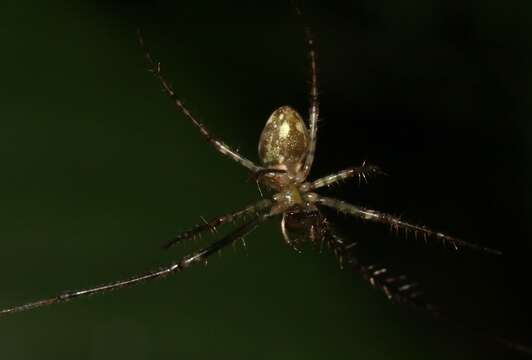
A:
(284, 140)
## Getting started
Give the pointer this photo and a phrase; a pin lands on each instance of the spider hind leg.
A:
(313, 95)
(220, 146)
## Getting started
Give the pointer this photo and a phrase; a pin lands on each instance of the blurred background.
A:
(98, 169)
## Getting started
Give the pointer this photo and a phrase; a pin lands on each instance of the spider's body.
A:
(286, 150)
(283, 145)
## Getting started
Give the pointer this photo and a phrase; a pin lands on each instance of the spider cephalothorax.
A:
(286, 151)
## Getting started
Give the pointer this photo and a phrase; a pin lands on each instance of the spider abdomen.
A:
(284, 140)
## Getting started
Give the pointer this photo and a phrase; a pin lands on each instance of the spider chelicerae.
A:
(286, 149)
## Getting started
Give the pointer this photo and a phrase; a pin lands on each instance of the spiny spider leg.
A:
(219, 145)
(400, 290)
(254, 209)
(314, 103)
(397, 288)
(362, 172)
(196, 257)
(396, 223)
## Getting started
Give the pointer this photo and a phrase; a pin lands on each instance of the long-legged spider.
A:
(286, 150)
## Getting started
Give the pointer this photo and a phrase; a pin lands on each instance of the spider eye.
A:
(284, 140)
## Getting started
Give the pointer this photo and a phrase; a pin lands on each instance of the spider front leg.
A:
(252, 210)
(394, 222)
(196, 257)
(219, 145)
(397, 288)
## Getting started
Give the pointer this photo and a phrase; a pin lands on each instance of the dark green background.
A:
(98, 169)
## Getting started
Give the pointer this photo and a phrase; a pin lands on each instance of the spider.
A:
(286, 149)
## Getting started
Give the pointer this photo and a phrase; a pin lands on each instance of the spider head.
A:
(283, 145)
(302, 224)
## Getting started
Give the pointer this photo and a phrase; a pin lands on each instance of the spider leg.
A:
(396, 223)
(314, 103)
(219, 145)
(254, 209)
(196, 257)
(266, 172)
(397, 288)
(362, 172)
